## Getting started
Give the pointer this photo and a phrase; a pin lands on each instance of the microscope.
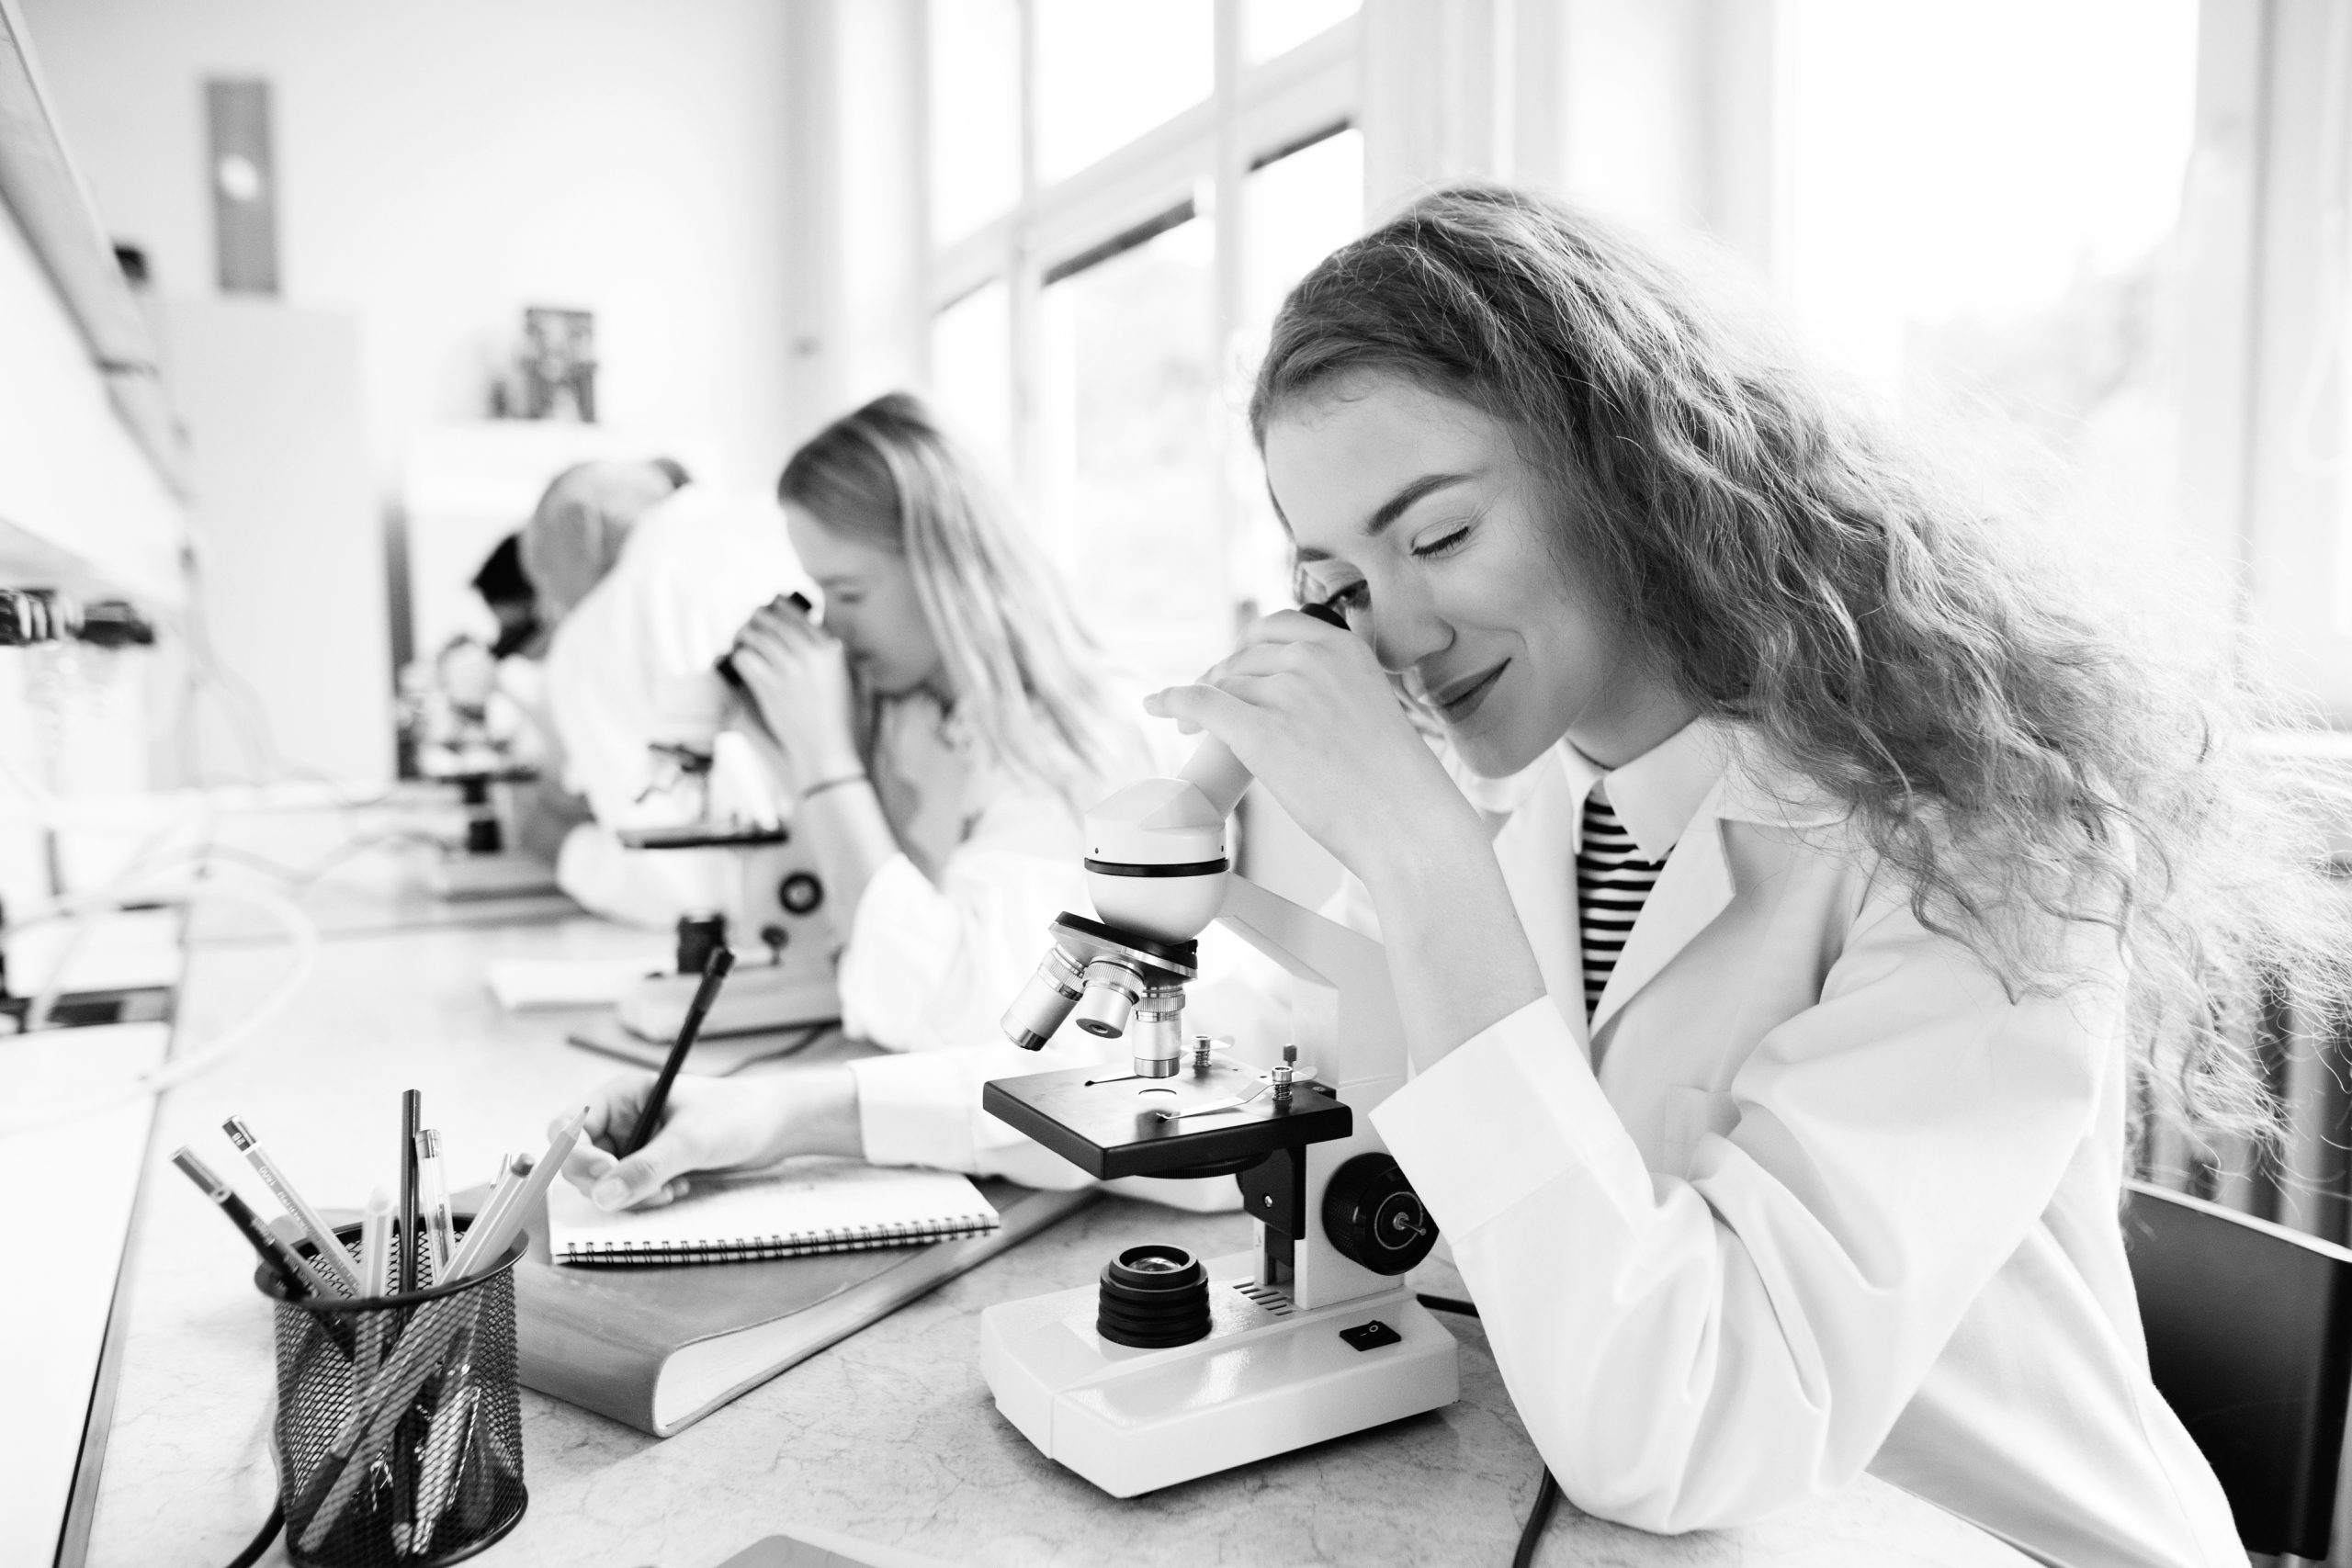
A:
(463, 730)
(771, 895)
(1168, 1369)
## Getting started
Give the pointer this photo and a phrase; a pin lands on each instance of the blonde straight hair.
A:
(1025, 670)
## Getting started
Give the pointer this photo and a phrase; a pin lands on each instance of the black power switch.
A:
(1370, 1336)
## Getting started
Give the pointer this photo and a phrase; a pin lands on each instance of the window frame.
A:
(1192, 167)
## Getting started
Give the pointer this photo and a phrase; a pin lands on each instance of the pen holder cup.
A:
(399, 1434)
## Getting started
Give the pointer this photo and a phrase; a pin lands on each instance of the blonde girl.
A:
(940, 726)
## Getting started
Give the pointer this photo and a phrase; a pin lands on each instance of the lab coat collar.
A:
(1676, 796)
(1656, 793)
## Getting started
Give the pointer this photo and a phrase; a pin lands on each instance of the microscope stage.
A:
(1107, 1124)
(703, 836)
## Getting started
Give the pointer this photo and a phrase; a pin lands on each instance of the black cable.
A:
(1547, 1496)
(252, 1553)
(1547, 1491)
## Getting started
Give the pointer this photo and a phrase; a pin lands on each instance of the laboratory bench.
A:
(887, 1439)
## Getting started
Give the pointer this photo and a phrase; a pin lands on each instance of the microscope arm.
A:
(1358, 1042)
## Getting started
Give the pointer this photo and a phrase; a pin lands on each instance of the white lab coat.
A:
(1813, 1196)
(625, 662)
(945, 935)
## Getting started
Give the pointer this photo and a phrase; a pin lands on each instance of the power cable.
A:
(1547, 1491)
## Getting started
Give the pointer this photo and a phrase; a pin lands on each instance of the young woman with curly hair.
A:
(1774, 1060)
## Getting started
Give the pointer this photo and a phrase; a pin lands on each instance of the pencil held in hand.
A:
(714, 975)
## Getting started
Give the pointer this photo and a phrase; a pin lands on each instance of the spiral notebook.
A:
(803, 1207)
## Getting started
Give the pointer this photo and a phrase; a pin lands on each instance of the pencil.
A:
(714, 975)
(335, 1263)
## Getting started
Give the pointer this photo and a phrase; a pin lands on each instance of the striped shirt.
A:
(1613, 882)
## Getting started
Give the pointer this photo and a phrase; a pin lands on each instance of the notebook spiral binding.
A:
(847, 1238)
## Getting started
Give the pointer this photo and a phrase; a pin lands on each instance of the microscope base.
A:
(756, 997)
(461, 877)
(1264, 1382)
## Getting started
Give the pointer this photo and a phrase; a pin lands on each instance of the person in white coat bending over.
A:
(1774, 1061)
(940, 727)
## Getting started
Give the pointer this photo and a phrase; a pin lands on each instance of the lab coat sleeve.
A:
(930, 966)
(1697, 1351)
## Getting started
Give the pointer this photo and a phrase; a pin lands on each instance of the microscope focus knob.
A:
(800, 893)
(1374, 1216)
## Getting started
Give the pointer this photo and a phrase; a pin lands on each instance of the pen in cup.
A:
(300, 1278)
(409, 1232)
(513, 1171)
(334, 1261)
(486, 1242)
(432, 1194)
(370, 1426)
(375, 1262)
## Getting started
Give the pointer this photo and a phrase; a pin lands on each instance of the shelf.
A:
(96, 480)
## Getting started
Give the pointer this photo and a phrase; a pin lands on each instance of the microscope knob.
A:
(800, 893)
(1374, 1216)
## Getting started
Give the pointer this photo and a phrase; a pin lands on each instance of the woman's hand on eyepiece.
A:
(799, 680)
(1307, 708)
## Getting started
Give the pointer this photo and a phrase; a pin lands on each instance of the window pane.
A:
(1129, 393)
(971, 371)
(1984, 206)
(1109, 71)
(1299, 210)
(975, 113)
(1270, 27)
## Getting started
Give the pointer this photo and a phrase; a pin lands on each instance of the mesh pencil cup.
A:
(399, 1434)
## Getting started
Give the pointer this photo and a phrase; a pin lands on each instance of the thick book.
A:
(802, 1207)
(659, 1347)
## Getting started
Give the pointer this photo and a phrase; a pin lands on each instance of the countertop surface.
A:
(888, 1437)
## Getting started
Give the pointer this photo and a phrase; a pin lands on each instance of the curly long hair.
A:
(1026, 670)
(2011, 755)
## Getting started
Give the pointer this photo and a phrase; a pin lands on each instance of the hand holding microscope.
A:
(1169, 1369)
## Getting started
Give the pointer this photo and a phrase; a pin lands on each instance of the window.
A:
(1103, 332)
(1131, 461)
(1981, 222)
(1302, 206)
(975, 111)
(1269, 28)
(1299, 209)
(1108, 72)
(971, 371)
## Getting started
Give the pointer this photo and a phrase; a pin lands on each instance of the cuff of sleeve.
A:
(914, 1109)
(1514, 1108)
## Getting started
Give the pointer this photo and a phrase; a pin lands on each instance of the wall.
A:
(290, 575)
(442, 163)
